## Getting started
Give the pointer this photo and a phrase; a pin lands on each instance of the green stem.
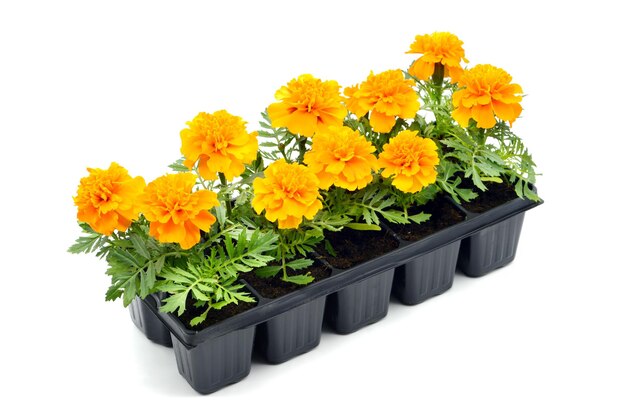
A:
(281, 248)
(229, 206)
(438, 81)
(301, 140)
(482, 137)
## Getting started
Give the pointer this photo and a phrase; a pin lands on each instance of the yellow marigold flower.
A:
(107, 199)
(386, 95)
(307, 104)
(486, 90)
(177, 213)
(438, 47)
(342, 157)
(219, 143)
(287, 193)
(411, 160)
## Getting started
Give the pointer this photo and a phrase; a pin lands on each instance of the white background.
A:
(85, 83)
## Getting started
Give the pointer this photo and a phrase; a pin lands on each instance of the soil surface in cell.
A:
(351, 247)
(442, 215)
(496, 195)
(215, 315)
(275, 287)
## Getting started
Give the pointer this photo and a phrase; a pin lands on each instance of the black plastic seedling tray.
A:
(348, 300)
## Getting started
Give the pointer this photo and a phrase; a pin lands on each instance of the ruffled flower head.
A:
(438, 47)
(410, 160)
(307, 104)
(287, 193)
(486, 91)
(177, 213)
(342, 157)
(219, 143)
(385, 95)
(107, 199)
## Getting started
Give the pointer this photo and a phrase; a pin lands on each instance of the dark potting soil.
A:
(215, 315)
(275, 287)
(496, 195)
(354, 247)
(442, 215)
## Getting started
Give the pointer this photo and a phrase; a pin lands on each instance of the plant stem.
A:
(438, 81)
(301, 140)
(229, 206)
(282, 256)
(482, 137)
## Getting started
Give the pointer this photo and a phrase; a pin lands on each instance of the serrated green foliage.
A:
(300, 279)
(267, 271)
(211, 280)
(363, 227)
(419, 217)
(279, 142)
(483, 156)
(178, 166)
(491, 156)
(135, 259)
(89, 242)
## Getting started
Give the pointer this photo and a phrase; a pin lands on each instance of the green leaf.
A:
(170, 288)
(420, 217)
(130, 291)
(363, 227)
(175, 302)
(199, 319)
(122, 256)
(329, 247)
(140, 246)
(530, 194)
(265, 134)
(220, 214)
(148, 280)
(158, 265)
(492, 179)
(299, 279)
(199, 295)
(395, 216)
(113, 292)
(267, 271)
(299, 263)
(219, 305)
(466, 194)
(88, 243)
(178, 166)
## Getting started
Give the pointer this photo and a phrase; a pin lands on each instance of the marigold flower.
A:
(287, 193)
(386, 95)
(307, 104)
(107, 199)
(176, 213)
(219, 143)
(342, 157)
(411, 160)
(438, 47)
(486, 90)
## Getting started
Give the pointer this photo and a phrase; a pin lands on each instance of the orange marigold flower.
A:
(411, 160)
(219, 143)
(486, 90)
(307, 104)
(287, 193)
(438, 47)
(342, 157)
(177, 213)
(386, 95)
(107, 199)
